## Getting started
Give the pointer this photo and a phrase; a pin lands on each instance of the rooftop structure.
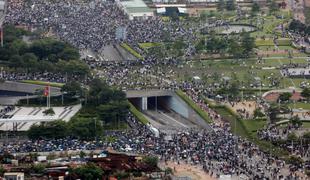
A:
(135, 9)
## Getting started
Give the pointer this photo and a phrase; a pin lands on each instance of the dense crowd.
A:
(92, 25)
(217, 151)
(6, 109)
(281, 135)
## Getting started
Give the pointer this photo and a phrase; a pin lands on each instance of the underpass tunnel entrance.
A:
(158, 103)
(137, 102)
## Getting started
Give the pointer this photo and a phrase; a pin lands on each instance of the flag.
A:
(46, 91)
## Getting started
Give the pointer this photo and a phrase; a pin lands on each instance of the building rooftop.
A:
(135, 6)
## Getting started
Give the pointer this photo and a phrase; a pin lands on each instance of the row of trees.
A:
(229, 5)
(236, 46)
(44, 54)
(103, 105)
(285, 96)
(82, 128)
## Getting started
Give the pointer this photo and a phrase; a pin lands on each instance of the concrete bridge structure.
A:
(165, 109)
(25, 87)
(11, 92)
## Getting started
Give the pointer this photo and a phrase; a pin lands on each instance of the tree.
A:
(292, 137)
(221, 5)
(100, 93)
(306, 93)
(85, 128)
(38, 168)
(72, 88)
(235, 49)
(89, 171)
(306, 137)
(73, 67)
(49, 112)
(273, 6)
(295, 120)
(16, 61)
(284, 97)
(274, 110)
(255, 8)
(48, 130)
(114, 111)
(247, 43)
(30, 61)
(174, 16)
(258, 113)
(230, 5)
(150, 160)
(234, 89)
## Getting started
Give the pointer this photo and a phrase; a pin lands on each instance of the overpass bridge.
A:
(165, 110)
(26, 88)
(11, 92)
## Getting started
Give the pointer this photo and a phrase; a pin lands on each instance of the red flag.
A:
(46, 90)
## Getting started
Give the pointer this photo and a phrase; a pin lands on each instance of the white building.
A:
(135, 9)
(14, 176)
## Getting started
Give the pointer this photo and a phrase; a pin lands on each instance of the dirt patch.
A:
(186, 170)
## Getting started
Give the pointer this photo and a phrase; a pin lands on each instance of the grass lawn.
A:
(253, 125)
(131, 51)
(266, 42)
(306, 124)
(137, 114)
(148, 45)
(299, 105)
(43, 83)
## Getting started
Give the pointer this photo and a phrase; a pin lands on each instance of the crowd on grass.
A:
(93, 25)
(286, 138)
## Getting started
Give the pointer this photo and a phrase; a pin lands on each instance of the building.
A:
(14, 176)
(135, 8)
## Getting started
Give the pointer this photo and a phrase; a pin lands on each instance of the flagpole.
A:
(49, 96)
(46, 91)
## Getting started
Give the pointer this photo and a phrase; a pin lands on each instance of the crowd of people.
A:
(6, 109)
(217, 151)
(92, 25)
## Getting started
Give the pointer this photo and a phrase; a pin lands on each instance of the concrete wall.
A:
(178, 105)
(147, 93)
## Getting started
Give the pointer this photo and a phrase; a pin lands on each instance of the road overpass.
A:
(148, 93)
(165, 110)
(26, 88)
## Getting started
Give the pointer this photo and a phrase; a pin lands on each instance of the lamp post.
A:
(95, 122)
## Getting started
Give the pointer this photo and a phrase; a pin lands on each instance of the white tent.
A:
(161, 10)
